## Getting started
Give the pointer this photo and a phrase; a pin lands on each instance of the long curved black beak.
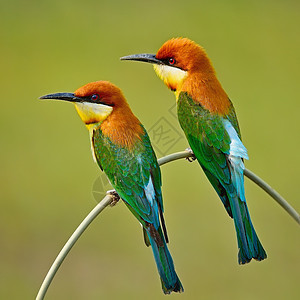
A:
(62, 96)
(149, 58)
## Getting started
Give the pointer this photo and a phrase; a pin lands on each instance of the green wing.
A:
(215, 141)
(231, 116)
(134, 173)
(210, 143)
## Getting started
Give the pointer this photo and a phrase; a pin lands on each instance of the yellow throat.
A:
(93, 113)
(173, 77)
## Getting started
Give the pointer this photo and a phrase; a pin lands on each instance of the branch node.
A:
(114, 197)
(192, 156)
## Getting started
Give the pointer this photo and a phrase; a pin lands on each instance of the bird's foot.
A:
(115, 197)
(192, 157)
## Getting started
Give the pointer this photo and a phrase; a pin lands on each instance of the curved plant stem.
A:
(174, 156)
(275, 195)
(262, 184)
(110, 198)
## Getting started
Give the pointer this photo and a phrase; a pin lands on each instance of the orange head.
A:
(94, 101)
(176, 60)
(101, 103)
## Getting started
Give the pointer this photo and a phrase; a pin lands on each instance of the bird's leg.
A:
(115, 197)
(192, 157)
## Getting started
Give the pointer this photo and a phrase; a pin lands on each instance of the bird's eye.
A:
(95, 97)
(172, 61)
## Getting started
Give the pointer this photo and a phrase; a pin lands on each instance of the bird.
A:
(208, 119)
(122, 149)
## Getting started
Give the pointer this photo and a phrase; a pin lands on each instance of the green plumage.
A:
(129, 171)
(211, 143)
(125, 154)
(135, 175)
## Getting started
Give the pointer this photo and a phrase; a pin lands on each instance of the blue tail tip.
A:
(177, 288)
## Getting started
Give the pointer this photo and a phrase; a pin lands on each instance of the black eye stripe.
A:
(169, 61)
(95, 98)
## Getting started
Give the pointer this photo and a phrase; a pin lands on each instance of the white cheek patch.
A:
(93, 111)
(172, 76)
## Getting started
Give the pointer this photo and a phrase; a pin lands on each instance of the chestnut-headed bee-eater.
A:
(209, 122)
(122, 149)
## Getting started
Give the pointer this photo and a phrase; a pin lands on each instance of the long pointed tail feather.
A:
(169, 279)
(248, 241)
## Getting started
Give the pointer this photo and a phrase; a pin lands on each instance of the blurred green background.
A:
(47, 171)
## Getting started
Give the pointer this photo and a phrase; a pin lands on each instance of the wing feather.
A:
(134, 173)
(215, 140)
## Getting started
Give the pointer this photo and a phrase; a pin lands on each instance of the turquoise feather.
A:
(216, 143)
(135, 175)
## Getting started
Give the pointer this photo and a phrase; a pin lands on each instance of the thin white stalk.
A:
(110, 198)
(107, 200)
(275, 195)
(262, 184)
